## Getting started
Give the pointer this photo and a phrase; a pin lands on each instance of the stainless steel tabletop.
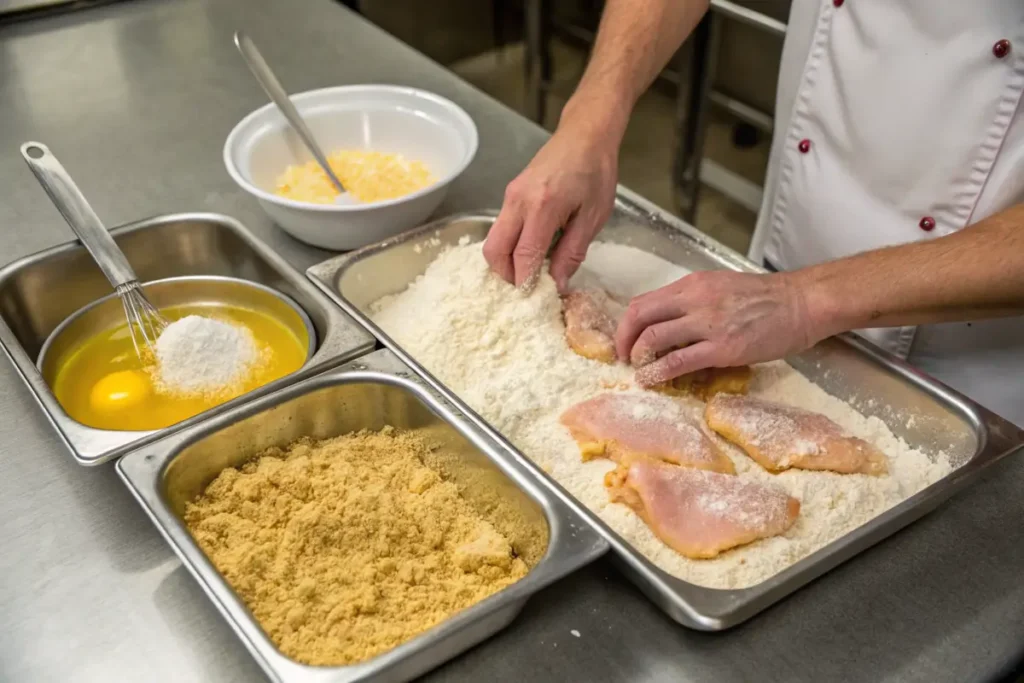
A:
(136, 99)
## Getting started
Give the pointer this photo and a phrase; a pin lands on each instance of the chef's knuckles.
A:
(569, 185)
(538, 194)
(703, 298)
(713, 319)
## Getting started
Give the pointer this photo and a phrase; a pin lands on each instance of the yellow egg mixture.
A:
(104, 384)
(368, 176)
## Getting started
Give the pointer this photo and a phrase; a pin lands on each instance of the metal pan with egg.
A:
(93, 346)
(51, 297)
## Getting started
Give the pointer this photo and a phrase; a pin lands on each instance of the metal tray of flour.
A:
(873, 381)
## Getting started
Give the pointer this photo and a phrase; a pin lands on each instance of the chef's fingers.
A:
(539, 229)
(572, 249)
(678, 363)
(658, 339)
(655, 307)
(502, 239)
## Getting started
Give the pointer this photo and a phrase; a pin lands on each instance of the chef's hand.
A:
(570, 184)
(714, 319)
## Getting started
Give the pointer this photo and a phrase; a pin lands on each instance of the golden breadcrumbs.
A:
(345, 548)
(368, 176)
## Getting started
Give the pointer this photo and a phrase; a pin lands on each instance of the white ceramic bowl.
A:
(385, 118)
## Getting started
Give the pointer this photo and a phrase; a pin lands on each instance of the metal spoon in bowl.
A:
(261, 70)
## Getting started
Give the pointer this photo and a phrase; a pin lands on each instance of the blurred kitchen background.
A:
(698, 141)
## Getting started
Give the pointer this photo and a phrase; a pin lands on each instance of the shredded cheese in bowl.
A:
(368, 176)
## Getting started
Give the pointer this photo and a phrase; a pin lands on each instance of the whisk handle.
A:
(72, 204)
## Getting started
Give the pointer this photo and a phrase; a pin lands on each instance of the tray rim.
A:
(572, 543)
(344, 339)
(694, 606)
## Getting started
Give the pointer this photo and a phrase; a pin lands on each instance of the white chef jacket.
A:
(901, 121)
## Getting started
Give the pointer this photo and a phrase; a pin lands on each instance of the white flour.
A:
(199, 356)
(504, 353)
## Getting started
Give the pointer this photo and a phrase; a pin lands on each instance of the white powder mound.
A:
(199, 356)
(504, 353)
(650, 407)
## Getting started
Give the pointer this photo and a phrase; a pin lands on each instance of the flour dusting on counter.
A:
(504, 353)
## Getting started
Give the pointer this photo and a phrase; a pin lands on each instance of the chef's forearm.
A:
(634, 42)
(973, 274)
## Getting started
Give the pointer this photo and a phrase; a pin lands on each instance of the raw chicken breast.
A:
(704, 384)
(591, 317)
(779, 437)
(626, 426)
(699, 513)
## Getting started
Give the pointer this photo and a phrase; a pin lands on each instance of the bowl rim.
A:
(233, 139)
(284, 298)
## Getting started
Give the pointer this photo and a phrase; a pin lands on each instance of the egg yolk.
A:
(119, 391)
(103, 384)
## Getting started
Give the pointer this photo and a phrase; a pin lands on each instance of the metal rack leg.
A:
(692, 115)
(498, 23)
(537, 57)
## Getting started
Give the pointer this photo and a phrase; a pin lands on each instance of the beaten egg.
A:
(102, 383)
(368, 176)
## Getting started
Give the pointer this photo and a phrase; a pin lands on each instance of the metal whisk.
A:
(144, 320)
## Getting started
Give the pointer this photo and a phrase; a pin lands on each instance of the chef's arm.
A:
(975, 273)
(635, 40)
(570, 184)
(726, 319)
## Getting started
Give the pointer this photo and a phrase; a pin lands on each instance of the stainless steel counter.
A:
(136, 99)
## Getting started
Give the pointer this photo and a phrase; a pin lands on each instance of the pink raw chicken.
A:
(591, 317)
(779, 437)
(627, 426)
(699, 513)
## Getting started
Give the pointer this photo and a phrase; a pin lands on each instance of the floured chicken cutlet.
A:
(779, 437)
(624, 427)
(699, 513)
(591, 316)
(709, 382)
